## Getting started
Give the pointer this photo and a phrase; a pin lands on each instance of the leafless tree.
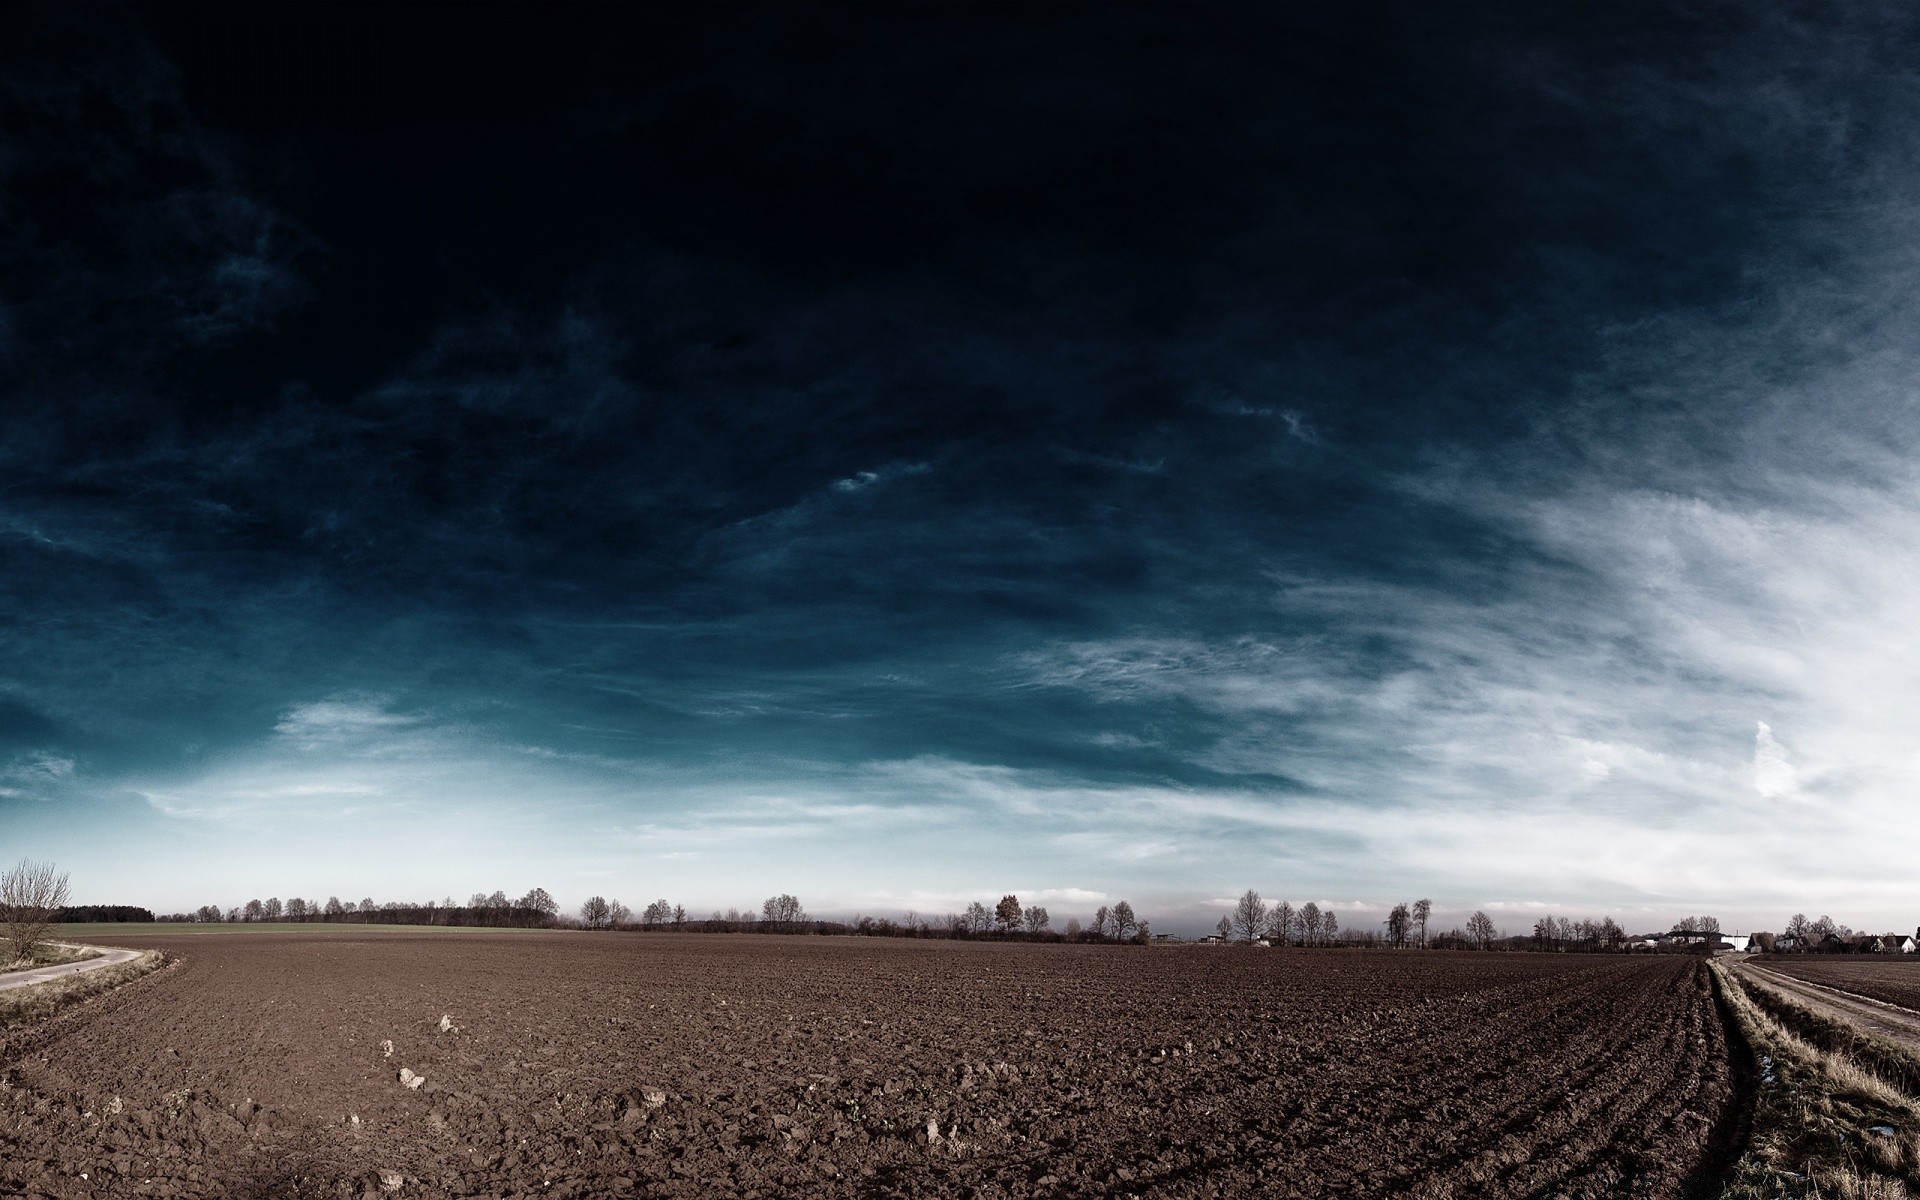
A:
(594, 912)
(782, 911)
(979, 920)
(1224, 930)
(679, 916)
(654, 915)
(1122, 920)
(31, 897)
(1102, 917)
(255, 910)
(334, 907)
(1281, 924)
(536, 907)
(1480, 929)
(1398, 923)
(1422, 912)
(1329, 926)
(618, 914)
(296, 909)
(273, 909)
(1006, 914)
(1073, 929)
(1309, 923)
(1036, 919)
(1249, 914)
(1798, 929)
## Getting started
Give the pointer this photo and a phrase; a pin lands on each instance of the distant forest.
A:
(109, 913)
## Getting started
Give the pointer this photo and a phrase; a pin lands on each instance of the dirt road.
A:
(1875, 1016)
(107, 957)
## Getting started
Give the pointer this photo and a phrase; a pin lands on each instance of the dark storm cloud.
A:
(1142, 397)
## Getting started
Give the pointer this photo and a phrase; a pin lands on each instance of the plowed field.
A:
(1895, 980)
(617, 1065)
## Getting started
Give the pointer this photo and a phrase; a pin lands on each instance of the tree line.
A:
(1008, 919)
(535, 909)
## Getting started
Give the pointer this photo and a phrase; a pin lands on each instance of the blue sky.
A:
(903, 456)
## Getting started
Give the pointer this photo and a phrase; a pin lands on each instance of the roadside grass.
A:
(1891, 1061)
(1824, 1124)
(47, 954)
(22, 1006)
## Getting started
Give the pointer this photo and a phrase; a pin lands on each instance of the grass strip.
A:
(1824, 1125)
(51, 954)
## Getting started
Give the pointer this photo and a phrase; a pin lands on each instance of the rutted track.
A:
(679, 1065)
(1879, 1017)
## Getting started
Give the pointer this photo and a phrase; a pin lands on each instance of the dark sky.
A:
(899, 453)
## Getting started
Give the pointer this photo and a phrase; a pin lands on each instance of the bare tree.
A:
(1121, 919)
(1281, 924)
(296, 909)
(538, 907)
(1102, 916)
(334, 907)
(1249, 914)
(1006, 914)
(1309, 923)
(1036, 919)
(1398, 923)
(1422, 911)
(979, 920)
(594, 912)
(1073, 929)
(1224, 930)
(31, 897)
(255, 910)
(273, 909)
(782, 911)
(1480, 929)
(679, 916)
(618, 914)
(1329, 926)
(654, 915)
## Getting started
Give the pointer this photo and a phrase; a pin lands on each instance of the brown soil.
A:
(631, 1065)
